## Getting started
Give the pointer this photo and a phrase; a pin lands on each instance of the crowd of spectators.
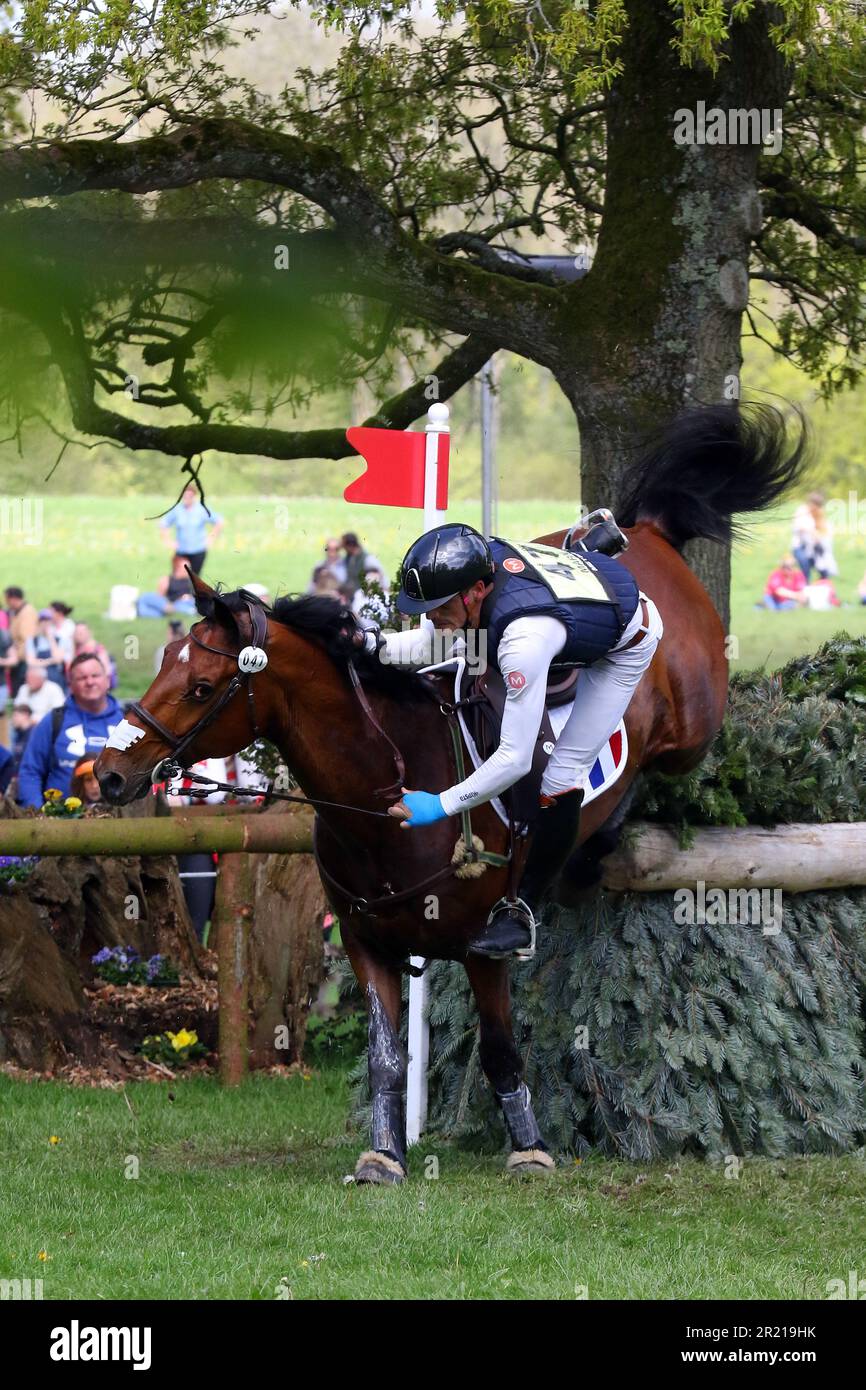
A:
(804, 576)
(55, 681)
(345, 570)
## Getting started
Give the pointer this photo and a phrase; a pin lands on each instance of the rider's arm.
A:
(527, 648)
(413, 648)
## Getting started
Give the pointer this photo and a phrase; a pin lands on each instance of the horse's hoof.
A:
(379, 1168)
(530, 1161)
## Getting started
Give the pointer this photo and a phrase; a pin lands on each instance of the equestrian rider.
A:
(537, 606)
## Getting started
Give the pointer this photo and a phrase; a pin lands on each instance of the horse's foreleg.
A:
(385, 1161)
(501, 1063)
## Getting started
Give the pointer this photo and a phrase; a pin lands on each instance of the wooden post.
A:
(232, 955)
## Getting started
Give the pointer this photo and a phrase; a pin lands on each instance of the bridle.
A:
(250, 660)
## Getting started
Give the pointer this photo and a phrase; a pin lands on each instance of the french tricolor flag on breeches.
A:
(406, 468)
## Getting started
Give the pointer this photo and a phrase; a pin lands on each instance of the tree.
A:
(179, 241)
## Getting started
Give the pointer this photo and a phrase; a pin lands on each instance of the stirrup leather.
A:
(525, 953)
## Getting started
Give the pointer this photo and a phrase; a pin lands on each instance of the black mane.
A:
(330, 623)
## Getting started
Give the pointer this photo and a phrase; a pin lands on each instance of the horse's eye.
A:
(202, 690)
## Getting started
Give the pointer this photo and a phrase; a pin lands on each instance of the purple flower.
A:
(101, 956)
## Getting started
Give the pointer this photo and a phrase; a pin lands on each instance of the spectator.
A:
(84, 643)
(861, 589)
(332, 567)
(23, 623)
(786, 587)
(64, 628)
(38, 693)
(355, 559)
(174, 592)
(8, 654)
(84, 784)
(812, 542)
(327, 586)
(83, 725)
(189, 519)
(7, 769)
(22, 725)
(45, 651)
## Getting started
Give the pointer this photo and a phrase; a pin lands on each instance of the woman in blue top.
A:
(190, 519)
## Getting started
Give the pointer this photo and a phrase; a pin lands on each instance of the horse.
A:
(354, 732)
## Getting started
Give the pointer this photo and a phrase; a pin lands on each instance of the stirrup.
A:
(524, 953)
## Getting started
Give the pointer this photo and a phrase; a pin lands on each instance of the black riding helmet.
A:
(441, 563)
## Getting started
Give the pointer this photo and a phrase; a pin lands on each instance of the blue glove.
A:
(424, 808)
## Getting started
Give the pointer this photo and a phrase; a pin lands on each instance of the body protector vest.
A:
(594, 597)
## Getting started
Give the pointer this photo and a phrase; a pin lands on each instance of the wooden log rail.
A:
(179, 833)
(797, 858)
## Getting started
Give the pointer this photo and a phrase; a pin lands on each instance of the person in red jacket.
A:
(786, 587)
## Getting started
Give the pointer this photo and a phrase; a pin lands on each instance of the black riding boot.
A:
(509, 926)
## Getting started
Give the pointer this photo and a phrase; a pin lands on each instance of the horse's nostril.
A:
(112, 785)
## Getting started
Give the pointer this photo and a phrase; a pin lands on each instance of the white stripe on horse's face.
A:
(124, 735)
(183, 654)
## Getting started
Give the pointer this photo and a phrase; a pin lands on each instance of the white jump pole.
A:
(419, 995)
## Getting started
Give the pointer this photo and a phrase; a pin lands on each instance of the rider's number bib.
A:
(567, 576)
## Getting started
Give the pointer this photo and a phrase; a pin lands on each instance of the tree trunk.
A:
(53, 924)
(285, 958)
(663, 304)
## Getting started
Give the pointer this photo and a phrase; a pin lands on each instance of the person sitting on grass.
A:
(785, 587)
(173, 594)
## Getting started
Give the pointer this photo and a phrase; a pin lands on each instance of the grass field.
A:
(80, 546)
(240, 1195)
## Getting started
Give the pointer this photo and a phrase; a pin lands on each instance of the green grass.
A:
(240, 1193)
(90, 543)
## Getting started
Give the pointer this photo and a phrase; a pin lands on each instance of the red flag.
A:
(395, 467)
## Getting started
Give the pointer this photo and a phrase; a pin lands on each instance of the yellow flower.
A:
(54, 1139)
(182, 1039)
(43, 1255)
(53, 794)
(72, 803)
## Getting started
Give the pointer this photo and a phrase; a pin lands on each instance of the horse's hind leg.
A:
(385, 1160)
(501, 1063)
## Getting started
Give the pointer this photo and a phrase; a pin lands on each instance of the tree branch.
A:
(386, 261)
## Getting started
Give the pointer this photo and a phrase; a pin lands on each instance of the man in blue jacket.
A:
(86, 721)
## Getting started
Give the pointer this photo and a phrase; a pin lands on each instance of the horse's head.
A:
(203, 700)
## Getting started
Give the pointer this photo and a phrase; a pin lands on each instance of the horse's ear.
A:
(209, 604)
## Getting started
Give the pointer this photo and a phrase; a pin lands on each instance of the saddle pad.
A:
(607, 768)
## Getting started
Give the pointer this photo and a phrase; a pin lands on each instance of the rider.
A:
(537, 605)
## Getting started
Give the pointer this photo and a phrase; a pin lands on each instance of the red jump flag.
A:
(396, 467)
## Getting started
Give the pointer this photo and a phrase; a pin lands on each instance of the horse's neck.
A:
(329, 743)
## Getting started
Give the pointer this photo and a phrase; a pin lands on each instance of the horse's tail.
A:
(710, 463)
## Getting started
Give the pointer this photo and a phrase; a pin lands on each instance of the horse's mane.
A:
(333, 625)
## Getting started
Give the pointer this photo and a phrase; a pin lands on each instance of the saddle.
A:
(485, 697)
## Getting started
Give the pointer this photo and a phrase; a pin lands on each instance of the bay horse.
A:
(353, 731)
